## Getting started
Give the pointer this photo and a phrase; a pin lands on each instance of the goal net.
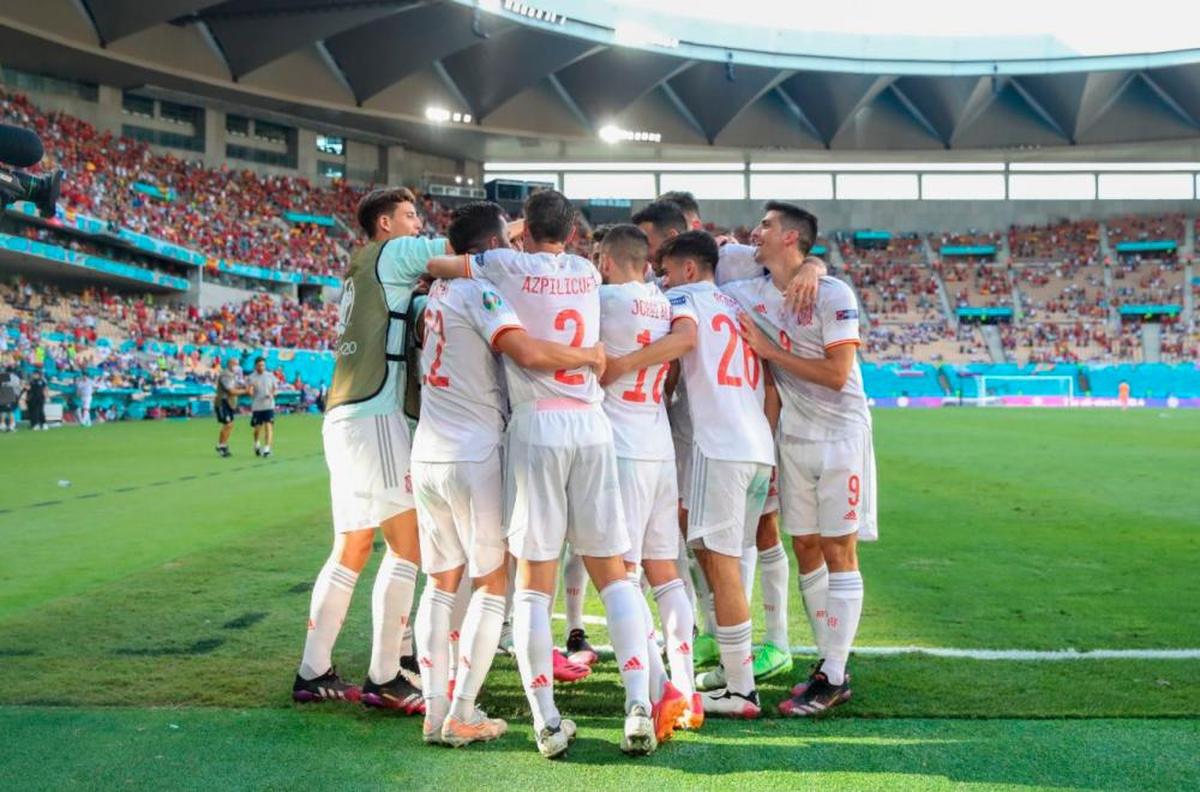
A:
(996, 390)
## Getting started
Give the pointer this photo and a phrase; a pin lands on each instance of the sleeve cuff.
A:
(843, 342)
(501, 330)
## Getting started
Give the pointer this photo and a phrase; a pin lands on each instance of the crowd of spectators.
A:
(1066, 242)
(224, 213)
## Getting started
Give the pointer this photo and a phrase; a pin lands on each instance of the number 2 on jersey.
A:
(436, 325)
(638, 392)
(560, 323)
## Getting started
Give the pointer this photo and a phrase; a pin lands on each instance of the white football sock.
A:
(533, 644)
(657, 673)
(432, 634)
(461, 600)
(406, 642)
(704, 597)
(574, 586)
(683, 569)
(814, 588)
(477, 646)
(748, 564)
(627, 629)
(737, 658)
(391, 603)
(841, 622)
(774, 569)
(326, 612)
(675, 613)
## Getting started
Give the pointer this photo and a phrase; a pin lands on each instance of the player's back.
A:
(463, 403)
(723, 377)
(556, 297)
(634, 315)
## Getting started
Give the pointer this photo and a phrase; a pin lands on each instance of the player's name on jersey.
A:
(653, 309)
(548, 284)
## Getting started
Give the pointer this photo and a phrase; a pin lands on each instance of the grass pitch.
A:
(167, 587)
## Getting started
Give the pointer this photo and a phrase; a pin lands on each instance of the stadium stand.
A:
(153, 213)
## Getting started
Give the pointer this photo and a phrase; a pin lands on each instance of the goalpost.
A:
(994, 387)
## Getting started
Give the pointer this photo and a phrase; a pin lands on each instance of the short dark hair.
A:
(793, 217)
(472, 224)
(683, 199)
(663, 215)
(697, 245)
(599, 231)
(549, 216)
(379, 202)
(260, 359)
(627, 244)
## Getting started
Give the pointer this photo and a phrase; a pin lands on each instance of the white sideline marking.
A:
(1035, 655)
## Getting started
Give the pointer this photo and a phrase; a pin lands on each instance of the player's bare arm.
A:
(534, 353)
(449, 267)
(674, 345)
(801, 292)
(831, 371)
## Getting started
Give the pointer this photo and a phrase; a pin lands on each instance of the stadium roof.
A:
(524, 76)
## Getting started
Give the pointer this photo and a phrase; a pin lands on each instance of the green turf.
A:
(165, 576)
(207, 749)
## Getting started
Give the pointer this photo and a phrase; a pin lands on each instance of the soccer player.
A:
(229, 388)
(736, 262)
(262, 407)
(826, 465)
(85, 387)
(687, 204)
(635, 314)
(10, 396)
(366, 440)
(457, 477)
(660, 221)
(732, 448)
(1123, 395)
(561, 469)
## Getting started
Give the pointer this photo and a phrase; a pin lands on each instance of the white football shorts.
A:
(651, 501)
(460, 506)
(368, 461)
(725, 503)
(828, 486)
(560, 482)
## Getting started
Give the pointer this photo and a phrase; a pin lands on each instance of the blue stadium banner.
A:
(300, 217)
(154, 191)
(42, 250)
(969, 312)
(1150, 309)
(1147, 246)
(872, 236)
(819, 250)
(968, 250)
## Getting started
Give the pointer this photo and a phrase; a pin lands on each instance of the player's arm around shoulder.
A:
(669, 348)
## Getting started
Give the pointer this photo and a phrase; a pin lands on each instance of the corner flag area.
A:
(1032, 623)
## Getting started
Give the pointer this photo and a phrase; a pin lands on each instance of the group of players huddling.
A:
(633, 411)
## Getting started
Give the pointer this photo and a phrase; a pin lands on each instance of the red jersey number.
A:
(560, 323)
(434, 323)
(638, 392)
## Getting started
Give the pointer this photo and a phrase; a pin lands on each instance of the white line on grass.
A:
(1037, 655)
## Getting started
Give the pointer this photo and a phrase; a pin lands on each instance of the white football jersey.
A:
(557, 298)
(634, 315)
(810, 411)
(463, 404)
(736, 262)
(723, 377)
